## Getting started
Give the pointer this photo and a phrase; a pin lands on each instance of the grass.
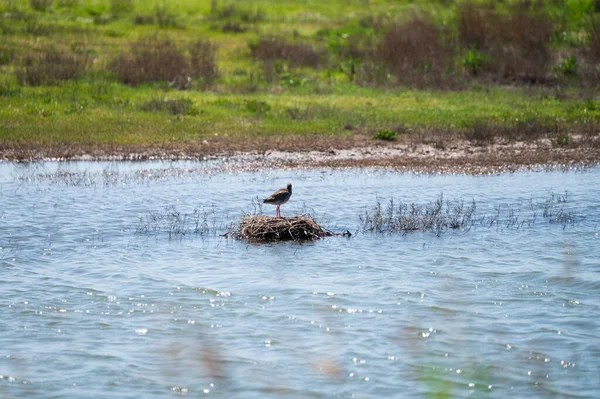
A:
(109, 73)
(94, 114)
(441, 216)
(175, 224)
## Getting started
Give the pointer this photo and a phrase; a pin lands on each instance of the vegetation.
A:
(121, 72)
(181, 106)
(388, 135)
(441, 216)
(176, 224)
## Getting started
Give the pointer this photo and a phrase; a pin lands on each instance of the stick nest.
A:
(268, 228)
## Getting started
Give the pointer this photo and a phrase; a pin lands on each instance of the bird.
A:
(279, 197)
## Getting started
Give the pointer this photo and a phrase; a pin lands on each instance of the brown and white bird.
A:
(279, 197)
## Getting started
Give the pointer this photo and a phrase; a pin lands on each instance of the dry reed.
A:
(441, 216)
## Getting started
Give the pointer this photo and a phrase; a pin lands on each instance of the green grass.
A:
(95, 112)
(96, 109)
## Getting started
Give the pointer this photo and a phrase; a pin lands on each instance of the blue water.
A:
(93, 307)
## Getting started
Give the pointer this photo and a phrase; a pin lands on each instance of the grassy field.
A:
(233, 75)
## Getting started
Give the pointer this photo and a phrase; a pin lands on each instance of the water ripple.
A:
(91, 308)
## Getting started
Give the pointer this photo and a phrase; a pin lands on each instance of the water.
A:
(89, 308)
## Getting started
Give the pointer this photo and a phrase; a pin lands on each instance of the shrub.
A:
(141, 19)
(593, 45)
(526, 50)
(164, 17)
(386, 135)
(67, 3)
(568, 66)
(562, 139)
(40, 5)
(180, 106)
(118, 7)
(516, 44)
(50, 66)
(475, 24)
(416, 52)
(38, 29)
(233, 27)
(481, 133)
(153, 59)
(269, 49)
(7, 90)
(102, 19)
(484, 133)
(473, 61)
(312, 111)
(254, 16)
(231, 11)
(203, 61)
(590, 105)
(257, 106)
(6, 55)
(225, 12)
(351, 41)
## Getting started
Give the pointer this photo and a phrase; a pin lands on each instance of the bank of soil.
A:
(428, 155)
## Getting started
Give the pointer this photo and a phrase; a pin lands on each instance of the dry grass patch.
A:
(418, 52)
(402, 217)
(50, 66)
(153, 59)
(40, 5)
(178, 106)
(269, 49)
(484, 133)
(441, 216)
(513, 45)
(593, 48)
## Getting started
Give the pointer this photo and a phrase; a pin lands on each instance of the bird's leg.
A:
(277, 214)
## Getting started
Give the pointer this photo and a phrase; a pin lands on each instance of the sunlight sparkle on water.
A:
(508, 302)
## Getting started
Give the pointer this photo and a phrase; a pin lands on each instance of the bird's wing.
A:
(278, 195)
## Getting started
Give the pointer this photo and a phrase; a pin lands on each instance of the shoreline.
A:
(461, 156)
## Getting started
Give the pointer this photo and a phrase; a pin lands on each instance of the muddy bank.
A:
(460, 156)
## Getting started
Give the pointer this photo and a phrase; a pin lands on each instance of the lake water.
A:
(94, 305)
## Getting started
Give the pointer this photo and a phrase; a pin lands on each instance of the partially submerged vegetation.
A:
(121, 77)
(441, 216)
(177, 224)
(253, 227)
(397, 217)
(438, 216)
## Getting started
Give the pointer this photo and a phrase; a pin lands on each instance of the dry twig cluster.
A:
(268, 228)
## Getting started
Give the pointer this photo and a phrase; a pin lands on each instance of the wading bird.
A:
(279, 198)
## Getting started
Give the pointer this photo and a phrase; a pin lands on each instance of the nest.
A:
(268, 228)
